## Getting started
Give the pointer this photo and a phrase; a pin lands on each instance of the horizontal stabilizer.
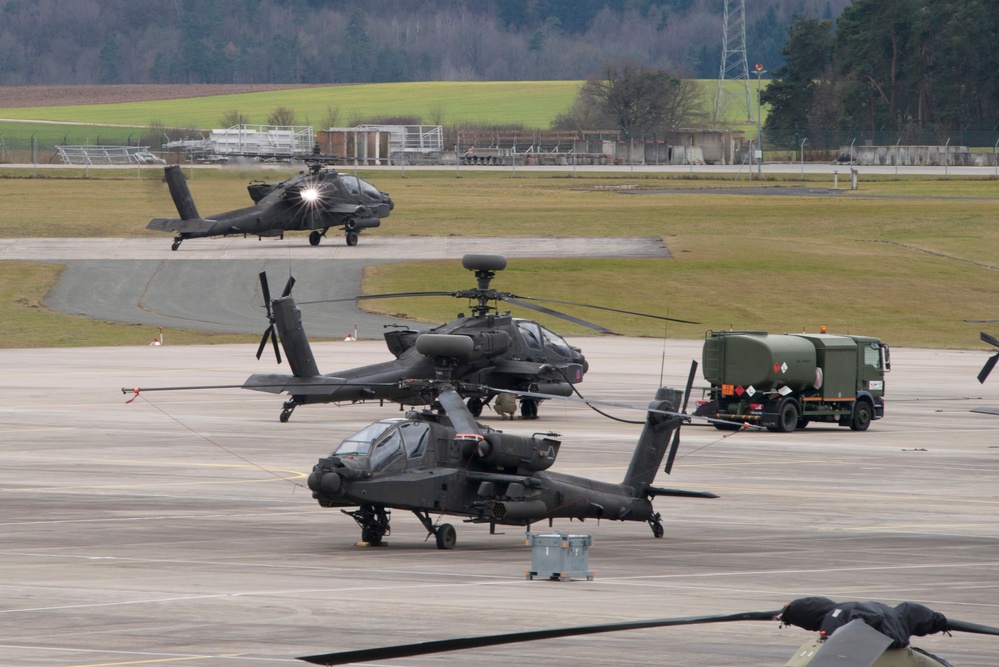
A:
(680, 493)
(180, 226)
(321, 385)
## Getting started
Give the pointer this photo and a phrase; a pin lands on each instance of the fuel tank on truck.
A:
(758, 359)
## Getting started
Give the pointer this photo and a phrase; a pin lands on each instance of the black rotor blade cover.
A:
(423, 648)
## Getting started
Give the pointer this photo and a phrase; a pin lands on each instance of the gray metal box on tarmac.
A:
(560, 556)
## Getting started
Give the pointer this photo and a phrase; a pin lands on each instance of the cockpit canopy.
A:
(380, 443)
(538, 337)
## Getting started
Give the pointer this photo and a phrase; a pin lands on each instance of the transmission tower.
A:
(734, 66)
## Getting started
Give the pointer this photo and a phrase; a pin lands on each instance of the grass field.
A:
(909, 267)
(530, 104)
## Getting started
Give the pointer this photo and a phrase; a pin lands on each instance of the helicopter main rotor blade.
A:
(555, 313)
(423, 648)
(974, 628)
(991, 340)
(507, 297)
(363, 297)
(457, 412)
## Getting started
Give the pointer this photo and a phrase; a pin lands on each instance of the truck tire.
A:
(862, 415)
(787, 416)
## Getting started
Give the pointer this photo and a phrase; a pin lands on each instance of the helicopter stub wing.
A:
(181, 226)
(856, 644)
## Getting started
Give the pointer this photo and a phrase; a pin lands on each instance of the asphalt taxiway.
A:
(177, 529)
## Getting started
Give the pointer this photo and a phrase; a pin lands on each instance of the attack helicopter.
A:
(852, 634)
(506, 354)
(313, 201)
(443, 462)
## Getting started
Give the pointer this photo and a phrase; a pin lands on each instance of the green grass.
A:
(527, 103)
(778, 263)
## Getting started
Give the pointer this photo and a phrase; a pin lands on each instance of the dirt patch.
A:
(56, 96)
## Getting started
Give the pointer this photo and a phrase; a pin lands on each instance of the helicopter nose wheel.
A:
(656, 524)
(176, 242)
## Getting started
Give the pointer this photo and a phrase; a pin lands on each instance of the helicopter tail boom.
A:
(654, 441)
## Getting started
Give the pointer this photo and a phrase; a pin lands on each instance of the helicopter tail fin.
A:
(288, 320)
(655, 439)
(181, 194)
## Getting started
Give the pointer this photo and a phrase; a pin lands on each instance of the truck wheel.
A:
(861, 416)
(787, 416)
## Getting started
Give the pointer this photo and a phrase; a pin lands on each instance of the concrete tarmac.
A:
(212, 284)
(177, 529)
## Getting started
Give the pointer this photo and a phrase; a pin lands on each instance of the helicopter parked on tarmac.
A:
(444, 462)
(504, 354)
(315, 201)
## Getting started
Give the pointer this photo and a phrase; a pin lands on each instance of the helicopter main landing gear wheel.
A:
(315, 237)
(374, 523)
(445, 533)
(351, 238)
(529, 408)
(176, 242)
(656, 524)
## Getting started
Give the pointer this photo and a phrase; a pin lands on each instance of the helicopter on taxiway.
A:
(505, 354)
(313, 201)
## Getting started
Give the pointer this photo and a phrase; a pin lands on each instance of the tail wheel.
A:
(315, 237)
(862, 416)
(475, 406)
(351, 238)
(529, 408)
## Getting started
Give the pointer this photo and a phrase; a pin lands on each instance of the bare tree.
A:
(231, 118)
(332, 117)
(638, 99)
(283, 116)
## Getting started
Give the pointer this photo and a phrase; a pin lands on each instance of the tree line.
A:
(920, 69)
(46, 42)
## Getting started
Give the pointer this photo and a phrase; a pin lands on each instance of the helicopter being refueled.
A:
(504, 354)
(318, 200)
(852, 634)
(444, 462)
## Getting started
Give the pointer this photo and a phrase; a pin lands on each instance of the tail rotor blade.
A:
(287, 288)
(266, 291)
(987, 368)
(263, 341)
(675, 446)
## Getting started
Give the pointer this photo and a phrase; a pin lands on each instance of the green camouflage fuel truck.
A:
(785, 381)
